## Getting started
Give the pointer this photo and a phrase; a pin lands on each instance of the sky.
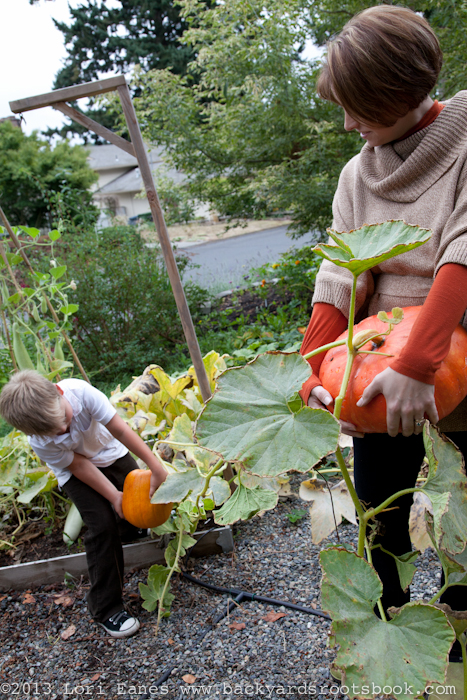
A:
(31, 54)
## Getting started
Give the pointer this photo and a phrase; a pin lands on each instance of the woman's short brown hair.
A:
(383, 64)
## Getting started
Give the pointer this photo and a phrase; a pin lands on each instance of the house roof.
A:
(133, 182)
(109, 157)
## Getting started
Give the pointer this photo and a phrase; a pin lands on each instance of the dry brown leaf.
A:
(170, 641)
(2, 597)
(66, 634)
(421, 540)
(321, 512)
(188, 678)
(95, 677)
(28, 598)
(62, 599)
(273, 616)
(314, 606)
(237, 626)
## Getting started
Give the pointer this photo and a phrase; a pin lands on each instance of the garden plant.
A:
(256, 421)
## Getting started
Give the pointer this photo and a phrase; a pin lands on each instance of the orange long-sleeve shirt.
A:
(429, 341)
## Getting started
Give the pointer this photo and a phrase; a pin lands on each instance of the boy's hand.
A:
(157, 478)
(117, 504)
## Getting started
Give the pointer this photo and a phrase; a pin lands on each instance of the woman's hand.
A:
(321, 398)
(407, 401)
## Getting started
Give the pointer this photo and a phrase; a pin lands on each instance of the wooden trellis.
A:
(58, 99)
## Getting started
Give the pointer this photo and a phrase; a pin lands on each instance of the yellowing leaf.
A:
(328, 509)
(421, 540)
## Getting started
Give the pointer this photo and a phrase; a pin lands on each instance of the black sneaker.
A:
(121, 624)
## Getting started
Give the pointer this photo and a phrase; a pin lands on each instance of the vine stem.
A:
(376, 511)
(324, 348)
(215, 468)
(172, 569)
(370, 561)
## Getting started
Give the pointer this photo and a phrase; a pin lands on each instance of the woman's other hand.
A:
(321, 398)
(407, 401)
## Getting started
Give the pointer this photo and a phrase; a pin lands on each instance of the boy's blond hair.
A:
(31, 403)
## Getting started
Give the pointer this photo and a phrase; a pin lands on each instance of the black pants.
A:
(103, 539)
(382, 466)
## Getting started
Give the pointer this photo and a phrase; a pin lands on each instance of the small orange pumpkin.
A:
(136, 506)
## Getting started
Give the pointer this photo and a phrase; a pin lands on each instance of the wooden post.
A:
(58, 100)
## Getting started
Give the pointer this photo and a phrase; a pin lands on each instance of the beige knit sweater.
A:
(423, 180)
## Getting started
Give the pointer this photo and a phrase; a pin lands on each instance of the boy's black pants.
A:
(105, 530)
(382, 466)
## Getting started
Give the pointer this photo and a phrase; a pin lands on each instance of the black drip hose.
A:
(252, 596)
(238, 597)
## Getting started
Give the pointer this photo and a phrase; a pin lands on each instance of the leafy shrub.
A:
(127, 315)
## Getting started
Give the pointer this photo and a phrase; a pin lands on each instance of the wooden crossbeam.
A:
(69, 94)
(95, 126)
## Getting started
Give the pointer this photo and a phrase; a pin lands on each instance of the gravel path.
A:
(286, 657)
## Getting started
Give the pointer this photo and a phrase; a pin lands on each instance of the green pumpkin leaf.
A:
(177, 486)
(54, 235)
(171, 551)
(371, 245)
(152, 593)
(253, 418)
(410, 650)
(219, 489)
(405, 568)
(446, 487)
(244, 504)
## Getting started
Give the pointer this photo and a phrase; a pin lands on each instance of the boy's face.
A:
(67, 416)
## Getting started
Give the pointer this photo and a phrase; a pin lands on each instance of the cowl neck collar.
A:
(403, 171)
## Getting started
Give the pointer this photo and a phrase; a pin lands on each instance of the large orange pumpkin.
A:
(136, 506)
(450, 379)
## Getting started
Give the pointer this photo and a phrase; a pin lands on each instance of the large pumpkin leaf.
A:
(180, 438)
(256, 417)
(371, 245)
(404, 654)
(244, 504)
(177, 486)
(446, 487)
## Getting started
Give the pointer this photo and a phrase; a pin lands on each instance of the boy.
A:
(73, 427)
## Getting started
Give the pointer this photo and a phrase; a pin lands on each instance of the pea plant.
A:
(35, 320)
(256, 421)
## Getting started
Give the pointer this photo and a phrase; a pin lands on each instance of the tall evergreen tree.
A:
(102, 38)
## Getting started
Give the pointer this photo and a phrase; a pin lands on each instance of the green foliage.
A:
(103, 39)
(412, 647)
(128, 317)
(36, 179)
(244, 123)
(296, 515)
(176, 203)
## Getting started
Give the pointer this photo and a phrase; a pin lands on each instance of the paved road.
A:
(224, 263)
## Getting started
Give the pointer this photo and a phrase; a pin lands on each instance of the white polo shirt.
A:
(87, 436)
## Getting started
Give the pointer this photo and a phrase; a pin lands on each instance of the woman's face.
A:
(377, 135)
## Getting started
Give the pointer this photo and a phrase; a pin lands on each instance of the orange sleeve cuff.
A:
(326, 324)
(430, 338)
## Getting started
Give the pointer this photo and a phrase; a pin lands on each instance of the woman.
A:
(381, 69)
